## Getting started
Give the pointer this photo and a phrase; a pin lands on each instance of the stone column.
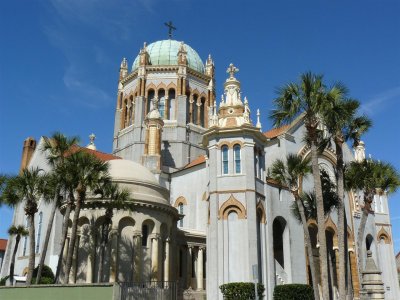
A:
(137, 256)
(354, 273)
(191, 108)
(75, 260)
(113, 255)
(200, 268)
(336, 249)
(167, 260)
(166, 107)
(91, 258)
(198, 111)
(189, 265)
(154, 258)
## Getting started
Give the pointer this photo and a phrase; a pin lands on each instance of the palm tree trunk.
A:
(47, 238)
(341, 221)
(73, 238)
(101, 255)
(62, 240)
(320, 216)
(31, 263)
(104, 240)
(17, 239)
(309, 247)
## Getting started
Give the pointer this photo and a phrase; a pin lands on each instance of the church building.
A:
(205, 211)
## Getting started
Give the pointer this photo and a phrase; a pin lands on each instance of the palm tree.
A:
(371, 177)
(29, 187)
(89, 171)
(340, 119)
(65, 171)
(56, 149)
(116, 199)
(290, 174)
(308, 97)
(3, 183)
(18, 231)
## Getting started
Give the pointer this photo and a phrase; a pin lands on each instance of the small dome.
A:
(166, 53)
(122, 169)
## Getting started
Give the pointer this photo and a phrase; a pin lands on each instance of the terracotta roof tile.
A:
(3, 244)
(197, 161)
(100, 155)
(273, 133)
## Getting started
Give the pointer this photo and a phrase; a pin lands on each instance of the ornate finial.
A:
(170, 29)
(91, 145)
(222, 101)
(258, 125)
(232, 70)
(144, 45)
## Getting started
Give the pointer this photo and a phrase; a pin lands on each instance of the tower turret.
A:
(123, 69)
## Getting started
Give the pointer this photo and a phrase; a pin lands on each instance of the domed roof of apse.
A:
(165, 52)
(122, 169)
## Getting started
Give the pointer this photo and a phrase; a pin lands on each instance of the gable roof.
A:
(197, 161)
(274, 132)
(100, 155)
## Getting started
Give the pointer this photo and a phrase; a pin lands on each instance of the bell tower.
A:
(173, 74)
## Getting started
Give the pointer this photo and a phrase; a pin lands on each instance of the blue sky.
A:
(59, 61)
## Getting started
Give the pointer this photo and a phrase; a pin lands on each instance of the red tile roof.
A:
(3, 244)
(100, 155)
(273, 133)
(197, 161)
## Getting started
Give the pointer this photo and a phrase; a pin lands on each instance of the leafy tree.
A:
(19, 231)
(56, 148)
(87, 173)
(308, 98)
(372, 177)
(290, 173)
(28, 187)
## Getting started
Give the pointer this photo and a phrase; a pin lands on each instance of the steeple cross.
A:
(232, 70)
(170, 29)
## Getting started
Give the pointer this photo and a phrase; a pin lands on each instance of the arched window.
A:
(131, 111)
(180, 209)
(145, 235)
(171, 105)
(236, 155)
(39, 232)
(224, 151)
(368, 241)
(150, 97)
(256, 163)
(161, 103)
(126, 112)
(195, 108)
(202, 111)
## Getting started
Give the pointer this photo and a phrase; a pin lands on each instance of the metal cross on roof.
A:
(170, 28)
(232, 70)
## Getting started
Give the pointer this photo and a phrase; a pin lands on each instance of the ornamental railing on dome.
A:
(150, 290)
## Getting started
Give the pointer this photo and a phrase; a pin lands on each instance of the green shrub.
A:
(241, 290)
(47, 275)
(3, 280)
(293, 292)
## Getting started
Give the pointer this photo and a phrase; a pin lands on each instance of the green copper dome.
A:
(166, 53)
